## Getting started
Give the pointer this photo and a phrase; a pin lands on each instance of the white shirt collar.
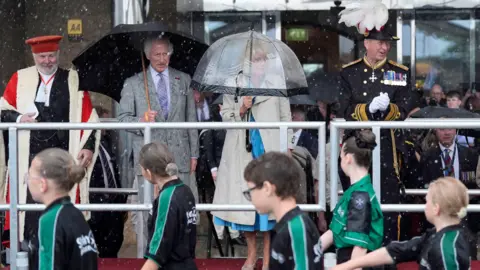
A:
(451, 148)
(154, 72)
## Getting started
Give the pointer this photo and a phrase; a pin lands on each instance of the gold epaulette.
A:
(409, 142)
(391, 62)
(352, 63)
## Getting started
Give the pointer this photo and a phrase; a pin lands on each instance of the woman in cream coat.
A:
(230, 182)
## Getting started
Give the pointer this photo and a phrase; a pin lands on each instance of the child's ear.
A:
(147, 174)
(269, 188)
(436, 209)
(43, 185)
(349, 158)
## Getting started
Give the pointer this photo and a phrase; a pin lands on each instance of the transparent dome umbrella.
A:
(250, 64)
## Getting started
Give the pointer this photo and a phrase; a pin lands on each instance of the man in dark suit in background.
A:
(447, 158)
(301, 137)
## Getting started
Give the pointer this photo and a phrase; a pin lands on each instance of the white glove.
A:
(380, 102)
(374, 105)
(384, 101)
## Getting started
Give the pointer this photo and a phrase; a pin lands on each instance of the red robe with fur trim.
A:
(20, 93)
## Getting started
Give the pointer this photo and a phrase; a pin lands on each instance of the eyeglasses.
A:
(247, 193)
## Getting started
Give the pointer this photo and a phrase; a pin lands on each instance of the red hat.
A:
(44, 43)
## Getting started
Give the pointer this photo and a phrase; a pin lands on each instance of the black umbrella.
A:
(218, 100)
(443, 112)
(302, 100)
(323, 86)
(105, 64)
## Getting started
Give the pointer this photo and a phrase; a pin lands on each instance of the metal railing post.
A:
(283, 139)
(148, 187)
(13, 184)
(376, 164)
(334, 145)
(322, 138)
(147, 199)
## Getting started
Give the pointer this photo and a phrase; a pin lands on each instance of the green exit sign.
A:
(297, 34)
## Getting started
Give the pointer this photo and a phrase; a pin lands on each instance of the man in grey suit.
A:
(171, 100)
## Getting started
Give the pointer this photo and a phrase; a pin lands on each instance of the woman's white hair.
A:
(147, 46)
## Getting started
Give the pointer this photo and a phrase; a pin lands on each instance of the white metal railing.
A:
(376, 126)
(13, 129)
(14, 207)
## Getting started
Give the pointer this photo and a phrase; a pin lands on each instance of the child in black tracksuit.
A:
(444, 247)
(273, 184)
(64, 240)
(172, 225)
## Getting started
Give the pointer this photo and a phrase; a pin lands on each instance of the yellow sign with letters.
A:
(75, 29)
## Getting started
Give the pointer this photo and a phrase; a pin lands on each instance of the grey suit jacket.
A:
(133, 104)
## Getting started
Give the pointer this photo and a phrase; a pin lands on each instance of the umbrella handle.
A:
(145, 81)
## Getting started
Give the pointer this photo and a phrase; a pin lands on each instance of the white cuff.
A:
(214, 169)
(19, 117)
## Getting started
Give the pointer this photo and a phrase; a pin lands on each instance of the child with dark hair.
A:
(454, 99)
(172, 226)
(357, 224)
(64, 239)
(273, 185)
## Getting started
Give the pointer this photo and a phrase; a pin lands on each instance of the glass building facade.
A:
(439, 40)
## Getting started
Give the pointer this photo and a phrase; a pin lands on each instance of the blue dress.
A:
(262, 223)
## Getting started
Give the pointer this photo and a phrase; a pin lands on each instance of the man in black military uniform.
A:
(374, 88)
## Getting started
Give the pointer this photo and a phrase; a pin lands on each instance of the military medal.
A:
(373, 78)
(391, 77)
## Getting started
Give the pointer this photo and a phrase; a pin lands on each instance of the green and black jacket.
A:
(172, 228)
(447, 249)
(64, 241)
(295, 243)
(357, 218)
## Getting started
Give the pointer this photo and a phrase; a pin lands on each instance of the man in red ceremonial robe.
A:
(47, 93)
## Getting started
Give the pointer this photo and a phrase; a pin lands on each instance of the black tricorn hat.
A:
(380, 35)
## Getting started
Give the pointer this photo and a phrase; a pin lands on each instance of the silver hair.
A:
(147, 46)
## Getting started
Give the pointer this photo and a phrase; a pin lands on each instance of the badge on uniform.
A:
(391, 77)
(359, 203)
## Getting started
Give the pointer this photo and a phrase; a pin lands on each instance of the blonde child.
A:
(444, 247)
(65, 240)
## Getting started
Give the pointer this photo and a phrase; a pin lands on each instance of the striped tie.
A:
(162, 95)
(449, 170)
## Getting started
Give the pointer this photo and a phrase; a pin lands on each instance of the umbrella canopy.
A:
(218, 100)
(324, 87)
(106, 63)
(302, 100)
(250, 64)
(443, 112)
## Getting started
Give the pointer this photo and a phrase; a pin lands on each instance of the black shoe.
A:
(239, 241)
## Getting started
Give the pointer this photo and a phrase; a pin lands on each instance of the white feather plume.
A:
(365, 15)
